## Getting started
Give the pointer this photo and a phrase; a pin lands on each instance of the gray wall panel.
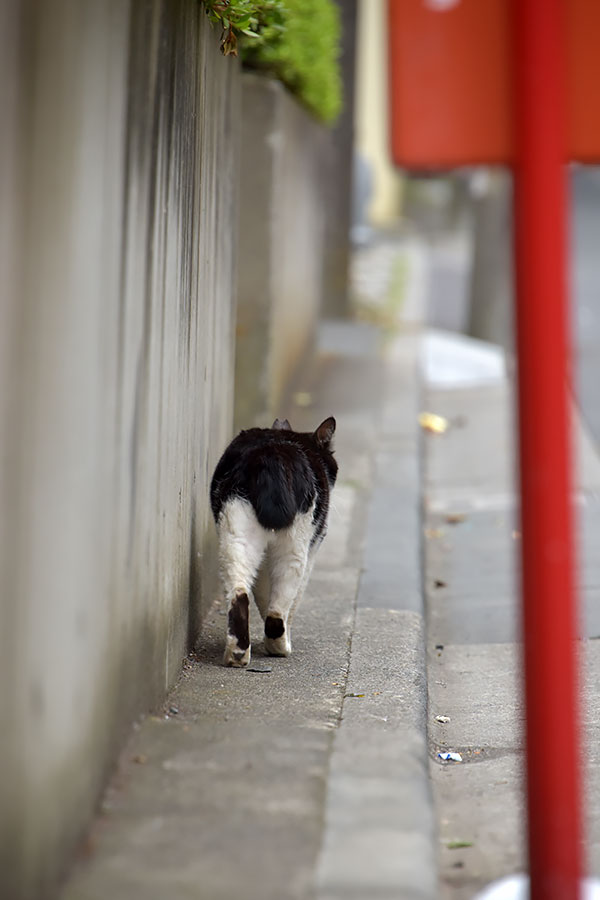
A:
(118, 212)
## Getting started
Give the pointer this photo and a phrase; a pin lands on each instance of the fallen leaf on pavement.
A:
(455, 518)
(431, 422)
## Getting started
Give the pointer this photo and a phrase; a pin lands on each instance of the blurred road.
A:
(448, 289)
(470, 565)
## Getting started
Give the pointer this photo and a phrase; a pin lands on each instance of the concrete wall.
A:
(282, 228)
(117, 212)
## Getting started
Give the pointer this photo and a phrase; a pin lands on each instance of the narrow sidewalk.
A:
(308, 776)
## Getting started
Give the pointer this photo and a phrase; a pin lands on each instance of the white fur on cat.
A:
(272, 566)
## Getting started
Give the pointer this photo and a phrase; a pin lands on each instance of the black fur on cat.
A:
(281, 472)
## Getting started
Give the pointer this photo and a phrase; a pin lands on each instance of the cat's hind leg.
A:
(304, 582)
(262, 587)
(288, 567)
(242, 543)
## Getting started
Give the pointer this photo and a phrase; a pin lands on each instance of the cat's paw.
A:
(278, 646)
(277, 639)
(235, 657)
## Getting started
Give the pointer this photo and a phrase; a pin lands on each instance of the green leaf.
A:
(296, 41)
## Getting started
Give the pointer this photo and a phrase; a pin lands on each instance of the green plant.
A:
(296, 41)
(257, 20)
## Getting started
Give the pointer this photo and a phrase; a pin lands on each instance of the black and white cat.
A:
(270, 499)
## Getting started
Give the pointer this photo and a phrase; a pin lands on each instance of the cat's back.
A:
(271, 469)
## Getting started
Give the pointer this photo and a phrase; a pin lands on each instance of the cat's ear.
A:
(278, 425)
(324, 432)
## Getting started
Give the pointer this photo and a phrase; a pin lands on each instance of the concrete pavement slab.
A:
(379, 827)
(378, 838)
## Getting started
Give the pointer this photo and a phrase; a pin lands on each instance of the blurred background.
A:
(186, 191)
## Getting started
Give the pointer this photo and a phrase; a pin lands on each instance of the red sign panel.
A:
(450, 88)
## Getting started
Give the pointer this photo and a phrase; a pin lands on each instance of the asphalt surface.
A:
(449, 267)
(471, 543)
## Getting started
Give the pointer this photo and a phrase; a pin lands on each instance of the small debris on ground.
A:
(442, 719)
(174, 710)
(458, 845)
(263, 669)
(140, 759)
(434, 533)
(431, 422)
(438, 583)
(354, 695)
(455, 518)
(450, 756)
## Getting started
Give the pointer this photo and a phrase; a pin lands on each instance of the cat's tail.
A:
(279, 489)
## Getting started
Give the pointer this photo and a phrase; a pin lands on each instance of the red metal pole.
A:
(549, 602)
